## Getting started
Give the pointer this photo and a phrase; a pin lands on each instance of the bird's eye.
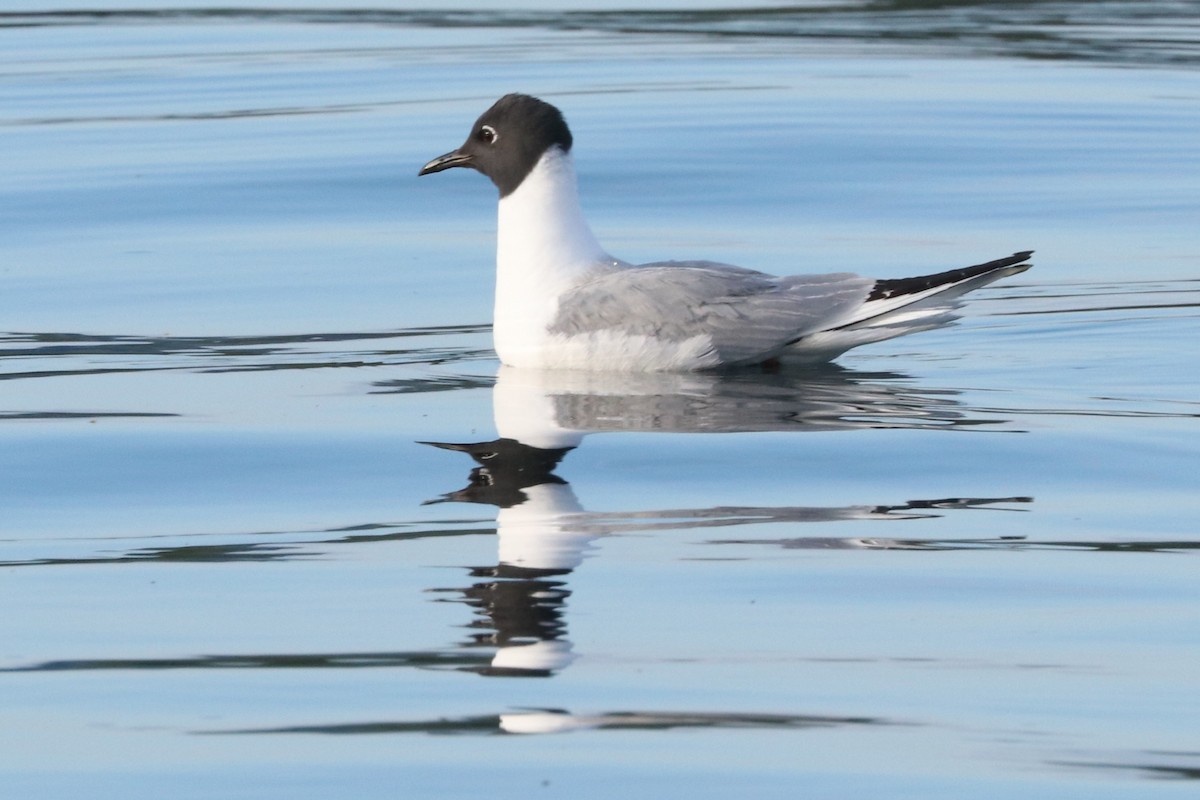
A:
(487, 133)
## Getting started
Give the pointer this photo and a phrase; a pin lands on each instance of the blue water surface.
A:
(953, 564)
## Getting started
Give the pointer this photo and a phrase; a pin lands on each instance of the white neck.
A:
(544, 247)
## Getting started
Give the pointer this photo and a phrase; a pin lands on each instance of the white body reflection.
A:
(556, 408)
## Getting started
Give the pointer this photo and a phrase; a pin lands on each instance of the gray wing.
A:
(748, 315)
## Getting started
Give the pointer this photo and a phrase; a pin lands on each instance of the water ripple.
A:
(46, 355)
(1161, 33)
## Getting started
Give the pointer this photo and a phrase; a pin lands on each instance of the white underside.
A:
(611, 351)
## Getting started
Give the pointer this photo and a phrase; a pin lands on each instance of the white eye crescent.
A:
(488, 134)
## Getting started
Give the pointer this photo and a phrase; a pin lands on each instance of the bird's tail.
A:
(900, 306)
(894, 295)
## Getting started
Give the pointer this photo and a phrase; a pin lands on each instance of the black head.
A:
(507, 141)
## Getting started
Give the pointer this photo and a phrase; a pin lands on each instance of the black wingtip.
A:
(901, 286)
(1001, 263)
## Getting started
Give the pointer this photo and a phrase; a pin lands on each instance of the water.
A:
(959, 563)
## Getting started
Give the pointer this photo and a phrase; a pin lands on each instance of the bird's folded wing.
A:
(746, 315)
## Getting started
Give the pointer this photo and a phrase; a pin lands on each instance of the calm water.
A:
(957, 564)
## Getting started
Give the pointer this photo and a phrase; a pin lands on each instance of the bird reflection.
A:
(543, 531)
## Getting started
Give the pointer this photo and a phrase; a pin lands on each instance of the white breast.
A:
(544, 248)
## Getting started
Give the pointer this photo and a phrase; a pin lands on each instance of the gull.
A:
(562, 302)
